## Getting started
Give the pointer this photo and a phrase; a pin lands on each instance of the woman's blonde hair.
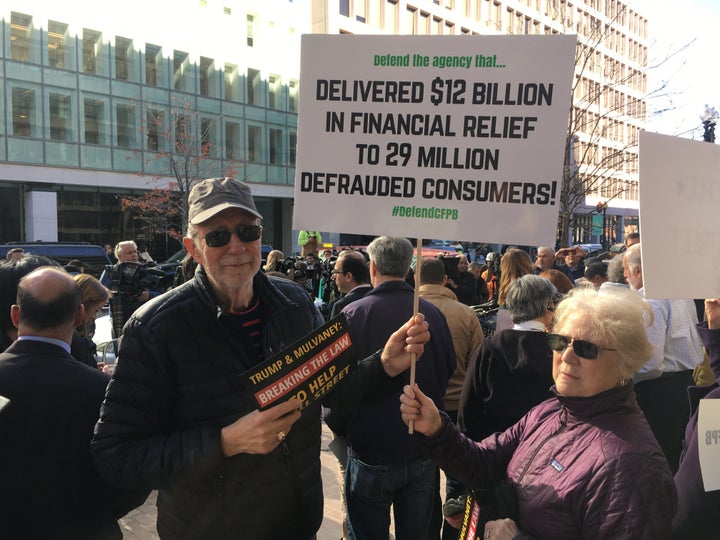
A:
(91, 292)
(619, 319)
(274, 257)
(513, 264)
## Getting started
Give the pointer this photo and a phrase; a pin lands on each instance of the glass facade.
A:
(81, 96)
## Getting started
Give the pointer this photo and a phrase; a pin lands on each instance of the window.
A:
(423, 24)
(153, 74)
(274, 94)
(232, 87)
(344, 8)
(155, 121)
(92, 51)
(94, 112)
(292, 147)
(253, 87)
(390, 16)
(60, 129)
(207, 76)
(250, 30)
(125, 119)
(180, 70)
(411, 20)
(208, 138)
(123, 58)
(23, 106)
(254, 144)
(57, 45)
(232, 140)
(20, 27)
(360, 11)
(183, 133)
(293, 96)
(436, 26)
(276, 147)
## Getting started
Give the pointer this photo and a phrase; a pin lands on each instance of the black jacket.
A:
(48, 485)
(176, 385)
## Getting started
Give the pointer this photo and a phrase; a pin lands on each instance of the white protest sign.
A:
(456, 137)
(679, 225)
(709, 442)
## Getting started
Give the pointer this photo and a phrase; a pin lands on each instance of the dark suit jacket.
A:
(48, 485)
(356, 294)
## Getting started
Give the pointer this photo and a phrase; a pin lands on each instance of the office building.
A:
(95, 99)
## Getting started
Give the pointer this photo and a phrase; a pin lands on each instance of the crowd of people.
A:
(570, 419)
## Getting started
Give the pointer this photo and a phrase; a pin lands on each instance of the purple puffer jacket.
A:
(697, 515)
(583, 467)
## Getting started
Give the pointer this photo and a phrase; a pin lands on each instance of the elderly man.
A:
(175, 416)
(49, 487)
(547, 260)
(352, 278)
(385, 466)
(131, 284)
(661, 384)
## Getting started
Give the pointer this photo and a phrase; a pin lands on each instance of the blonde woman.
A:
(274, 257)
(93, 296)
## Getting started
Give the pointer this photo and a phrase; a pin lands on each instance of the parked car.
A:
(92, 256)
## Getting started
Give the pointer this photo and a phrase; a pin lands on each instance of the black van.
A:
(93, 257)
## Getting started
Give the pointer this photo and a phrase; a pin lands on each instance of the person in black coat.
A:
(49, 487)
(352, 278)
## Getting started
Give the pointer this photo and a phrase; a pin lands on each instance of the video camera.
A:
(132, 278)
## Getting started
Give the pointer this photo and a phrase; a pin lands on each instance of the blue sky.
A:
(693, 74)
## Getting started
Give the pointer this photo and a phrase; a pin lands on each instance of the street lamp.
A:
(709, 118)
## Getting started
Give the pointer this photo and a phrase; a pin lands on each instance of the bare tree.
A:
(609, 107)
(185, 143)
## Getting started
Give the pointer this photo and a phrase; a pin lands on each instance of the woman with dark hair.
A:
(583, 464)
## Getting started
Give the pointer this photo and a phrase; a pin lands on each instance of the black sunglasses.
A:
(246, 233)
(584, 349)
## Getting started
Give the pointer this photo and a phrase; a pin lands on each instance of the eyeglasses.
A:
(584, 349)
(335, 272)
(246, 233)
(554, 301)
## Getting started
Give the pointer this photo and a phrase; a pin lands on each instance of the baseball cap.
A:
(213, 195)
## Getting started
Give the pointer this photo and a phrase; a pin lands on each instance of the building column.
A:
(41, 216)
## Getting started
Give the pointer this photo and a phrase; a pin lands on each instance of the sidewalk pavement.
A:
(140, 523)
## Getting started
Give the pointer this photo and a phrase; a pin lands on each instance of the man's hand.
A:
(260, 432)
(712, 312)
(409, 339)
(416, 407)
(501, 529)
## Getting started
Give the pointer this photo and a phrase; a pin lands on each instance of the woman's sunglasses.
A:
(584, 349)
(246, 233)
